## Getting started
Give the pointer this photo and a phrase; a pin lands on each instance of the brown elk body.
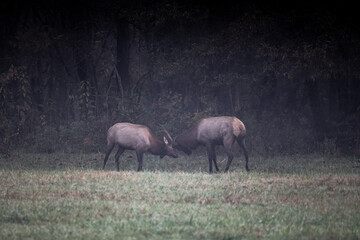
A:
(213, 131)
(128, 136)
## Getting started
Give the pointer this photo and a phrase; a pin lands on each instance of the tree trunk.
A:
(316, 109)
(122, 52)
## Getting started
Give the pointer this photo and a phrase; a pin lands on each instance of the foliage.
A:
(89, 136)
(15, 104)
(294, 84)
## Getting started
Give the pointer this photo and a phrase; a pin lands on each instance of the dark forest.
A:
(71, 69)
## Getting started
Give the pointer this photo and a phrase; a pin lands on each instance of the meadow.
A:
(69, 196)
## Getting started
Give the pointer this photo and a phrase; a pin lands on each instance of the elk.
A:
(210, 132)
(136, 137)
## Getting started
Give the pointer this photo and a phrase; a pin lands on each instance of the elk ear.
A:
(166, 141)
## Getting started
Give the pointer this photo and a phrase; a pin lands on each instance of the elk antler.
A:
(167, 133)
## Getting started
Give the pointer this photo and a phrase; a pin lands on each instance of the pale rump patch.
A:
(238, 127)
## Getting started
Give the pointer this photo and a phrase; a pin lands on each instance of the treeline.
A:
(70, 70)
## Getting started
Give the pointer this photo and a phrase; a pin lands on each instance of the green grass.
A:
(68, 196)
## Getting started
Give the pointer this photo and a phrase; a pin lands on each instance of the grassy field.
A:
(68, 196)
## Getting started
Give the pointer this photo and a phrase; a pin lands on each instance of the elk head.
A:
(169, 150)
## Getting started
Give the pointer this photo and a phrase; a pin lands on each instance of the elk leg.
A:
(241, 143)
(230, 158)
(228, 142)
(117, 156)
(214, 159)
(210, 152)
(140, 160)
(108, 151)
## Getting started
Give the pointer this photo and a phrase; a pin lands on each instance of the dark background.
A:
(70, 69)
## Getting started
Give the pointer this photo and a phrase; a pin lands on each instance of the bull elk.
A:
(136, 137)
(210, 132)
